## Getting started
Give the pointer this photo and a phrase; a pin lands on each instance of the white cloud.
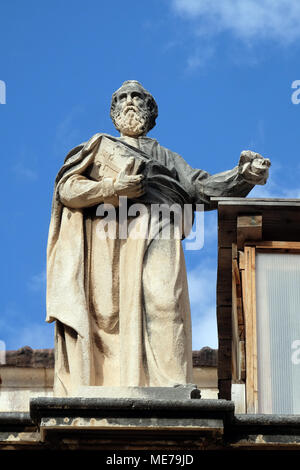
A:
(274, 187)
(200, 57)
(248, 20)
(202, 291)
(275, 191)
(265, 192)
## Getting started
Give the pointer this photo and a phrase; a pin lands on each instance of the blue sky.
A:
(221, 73)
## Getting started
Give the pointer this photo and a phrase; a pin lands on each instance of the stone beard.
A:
(132, 120)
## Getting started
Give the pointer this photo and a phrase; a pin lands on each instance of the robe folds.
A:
(121, 306)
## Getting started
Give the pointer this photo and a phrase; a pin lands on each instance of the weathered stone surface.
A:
(64, 416)
(264, 432)
(18, 384)
(15, 420)
(182, 392)
(74, 406)
(146, 425)
(26, 378)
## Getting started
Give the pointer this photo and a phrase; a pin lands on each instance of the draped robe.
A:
(121, 306)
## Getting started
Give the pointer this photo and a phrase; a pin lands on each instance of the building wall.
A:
(29, 373)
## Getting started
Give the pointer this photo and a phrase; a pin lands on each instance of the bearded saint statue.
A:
(121, 305)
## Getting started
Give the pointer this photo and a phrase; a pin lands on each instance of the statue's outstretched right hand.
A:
(132, 186)
(253, 167)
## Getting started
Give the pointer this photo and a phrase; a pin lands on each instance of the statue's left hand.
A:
(253, 167)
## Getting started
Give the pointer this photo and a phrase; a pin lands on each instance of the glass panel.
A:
(278, 332)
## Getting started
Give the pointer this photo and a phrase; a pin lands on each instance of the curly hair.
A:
(150, 101)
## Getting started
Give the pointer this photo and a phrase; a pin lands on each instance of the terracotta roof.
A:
(28, 357)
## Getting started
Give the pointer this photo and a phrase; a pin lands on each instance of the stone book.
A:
(111, 157)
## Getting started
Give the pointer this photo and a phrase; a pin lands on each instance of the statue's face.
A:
(131, 112)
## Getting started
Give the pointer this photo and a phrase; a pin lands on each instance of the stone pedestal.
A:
(78, 422)
(160, 426)
(178, 392)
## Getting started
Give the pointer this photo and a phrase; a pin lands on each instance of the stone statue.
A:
(121, 305)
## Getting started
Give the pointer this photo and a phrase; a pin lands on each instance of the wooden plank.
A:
(241, 260)
(251, 200)
(227, 230)
(224, 322)
(241, 314)
(241, 321)
(249, 227)
(236, 272)
(243, 344)
(263, 202)
(224, 277)
(237, 316)
(250, 222)
(224, 386)
(282, 224)
(279, 223)
(224, 359)
(235, 331)
(238, 269)
(243, 361)
(277, 245)
(234, 252)
(249, 301)
(224, 305)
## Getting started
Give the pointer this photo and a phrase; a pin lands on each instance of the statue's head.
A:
(133, 109)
